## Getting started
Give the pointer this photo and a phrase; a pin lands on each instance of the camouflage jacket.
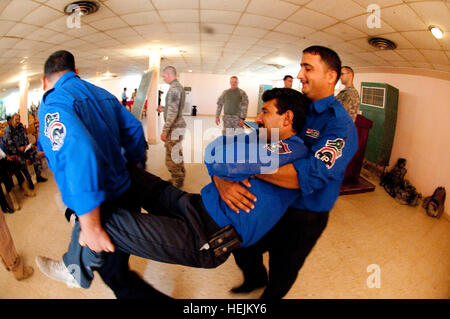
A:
(16, 138)
(349, 98)
(173, 110)
(241, 109)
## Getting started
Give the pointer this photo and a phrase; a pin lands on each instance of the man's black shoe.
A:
(247, 287)
(41, 179)
(8, 210)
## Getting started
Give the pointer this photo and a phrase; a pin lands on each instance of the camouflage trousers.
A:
(231, 122)
(8, 252)
(31, 155)
(174, 159)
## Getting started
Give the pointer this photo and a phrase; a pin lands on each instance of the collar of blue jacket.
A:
(321, 105)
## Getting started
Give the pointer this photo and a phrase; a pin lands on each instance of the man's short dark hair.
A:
(287, 77)
(289, 99)
(8, 117)
(348, 68)
(59, 61)
(328, 56)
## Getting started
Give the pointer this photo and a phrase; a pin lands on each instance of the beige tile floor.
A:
(411, 249)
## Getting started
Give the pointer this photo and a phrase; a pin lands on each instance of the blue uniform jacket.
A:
(234, 158)
(331, 137)
(87, 137)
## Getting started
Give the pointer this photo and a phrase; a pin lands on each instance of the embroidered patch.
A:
(312, 133)
(55, 130)
(278, 148)
(331, 152)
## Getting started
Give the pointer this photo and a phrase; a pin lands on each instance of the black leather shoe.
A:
(247, 287)
(8, 210)
(41, 179)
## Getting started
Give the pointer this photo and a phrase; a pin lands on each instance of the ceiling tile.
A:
(249, 31)
(281, 37)
(272, 8)
(344, 47)
(259, 21)
(108, 24)
(345, 32)
(294, 29)
(101, 14)
(245, 40)
(42, 16)
(229, 5)
(175, 4)
(175, 16)
(312, 19)
(422, 39)
(402, 18)
(17, 10)
(141, 18)
(341, 10)
(412, 55)
(59, 38)
(152, 29)
(436, 57)
(381, 3)
(129, 6)
(218, 16)
(442, 67)
(6, 43)
(215, 37)
(41, 33)
(58, 24)
(122, 33)
(360, 23)
(433, 13)
(80, 32)
(183, 27)
(21, 30)
(389, 55)
(5, 26)
(323, 38)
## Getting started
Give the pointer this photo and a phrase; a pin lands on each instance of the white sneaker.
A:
(56, 270)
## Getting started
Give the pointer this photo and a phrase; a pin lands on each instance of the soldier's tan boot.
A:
(20, 271)
(26, 190)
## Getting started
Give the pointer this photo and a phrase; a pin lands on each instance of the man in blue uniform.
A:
(89, 139)
(330, 135)
(201, 231)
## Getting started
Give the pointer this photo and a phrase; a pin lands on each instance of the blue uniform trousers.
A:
(288, 244)
(174, 230)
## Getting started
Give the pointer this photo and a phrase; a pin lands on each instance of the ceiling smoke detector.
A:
(86, 7)
(382, 43)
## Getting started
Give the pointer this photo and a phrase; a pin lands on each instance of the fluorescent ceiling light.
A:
(438, 34)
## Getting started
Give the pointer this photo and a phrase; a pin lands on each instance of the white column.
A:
(23, 101)
(152, 97)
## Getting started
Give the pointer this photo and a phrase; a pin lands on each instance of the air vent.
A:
(382, 43)
(86, 7)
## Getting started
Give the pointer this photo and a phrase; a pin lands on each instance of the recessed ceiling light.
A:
(438, 34)
(105, 58)
(189, 70)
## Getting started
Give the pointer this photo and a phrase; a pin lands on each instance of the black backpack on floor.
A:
(434, 204)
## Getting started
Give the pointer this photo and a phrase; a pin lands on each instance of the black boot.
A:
(40, 179)
(249, 286)
(7, 210)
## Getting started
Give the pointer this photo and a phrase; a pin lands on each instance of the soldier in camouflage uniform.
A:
(174, 126)
(234, 101)
(16, 144)
(349, 96)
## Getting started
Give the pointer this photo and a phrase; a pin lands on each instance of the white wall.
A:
(422, 135)
(206, 89)
(115, 85)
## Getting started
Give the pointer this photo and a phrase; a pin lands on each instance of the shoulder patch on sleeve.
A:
(54, 130)
(279, 147)
(331, 152)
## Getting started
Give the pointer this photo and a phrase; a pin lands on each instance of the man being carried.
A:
(201, 230)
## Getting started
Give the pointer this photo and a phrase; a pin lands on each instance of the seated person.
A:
(194, 230)
(10, 166)
(17, 143)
